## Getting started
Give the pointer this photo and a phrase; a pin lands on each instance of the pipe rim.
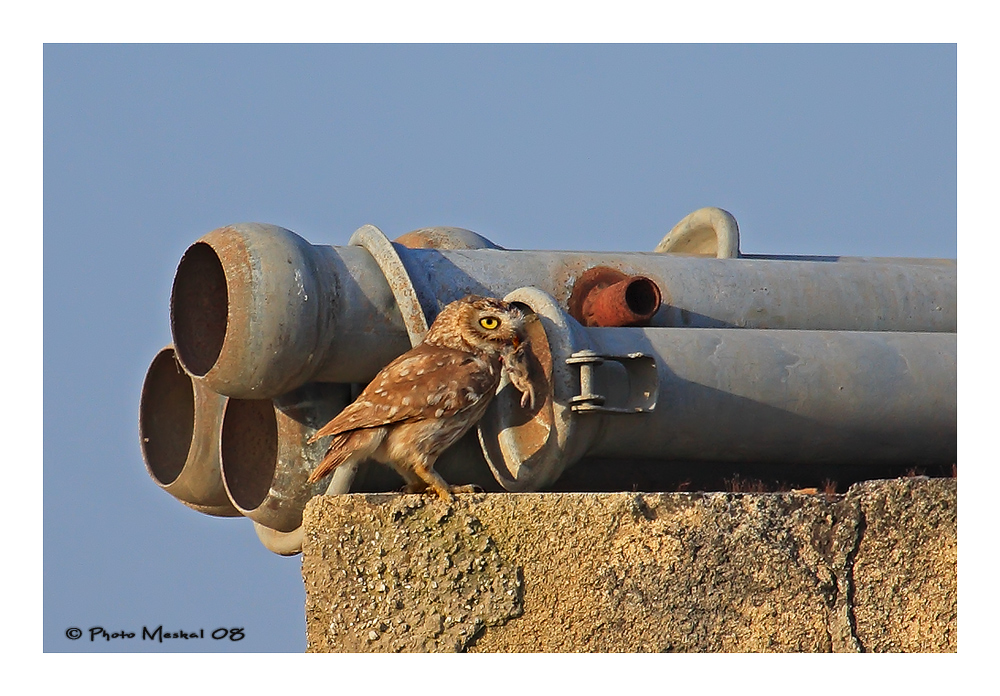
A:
(248, 451)
(642, 296)
(166, 418)
(199, 309)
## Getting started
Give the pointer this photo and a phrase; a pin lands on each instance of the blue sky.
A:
(815, 149)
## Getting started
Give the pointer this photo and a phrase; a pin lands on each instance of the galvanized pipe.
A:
(714, 293)
(257, 311)
(265, 454)
(179, 423)
(781, 396)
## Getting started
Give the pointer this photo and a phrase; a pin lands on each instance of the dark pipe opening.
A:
(642, 296)
(166, 418)
(199, 309)
(249, 450)
(605, 296)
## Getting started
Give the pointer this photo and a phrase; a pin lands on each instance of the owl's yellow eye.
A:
(489, 323)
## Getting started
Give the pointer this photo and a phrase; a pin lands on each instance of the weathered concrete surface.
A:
(905, 586)
(872, 570)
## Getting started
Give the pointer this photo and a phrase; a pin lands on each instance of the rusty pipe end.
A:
(199, 308)
(265, 454)
(178, 435)
(248, 309)
(604, 296)
(445, 238)
(249, 451)
(166, 418)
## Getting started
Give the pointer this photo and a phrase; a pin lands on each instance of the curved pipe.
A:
(179, 423)
(265, 455)
(445, 238)
(281, 543)
(709, 232)
(527, 450)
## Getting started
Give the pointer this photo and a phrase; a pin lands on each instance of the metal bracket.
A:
(630, 382)
(386, 255)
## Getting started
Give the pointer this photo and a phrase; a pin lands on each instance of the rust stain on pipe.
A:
(445, 238)
(604, 296)
(265, 454)
(179, 423)
(200, 287)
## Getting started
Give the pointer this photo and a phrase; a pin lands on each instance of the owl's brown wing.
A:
(425, 382)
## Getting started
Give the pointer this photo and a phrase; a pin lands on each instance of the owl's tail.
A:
(357, 444)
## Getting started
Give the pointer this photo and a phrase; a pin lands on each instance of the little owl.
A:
(428, 398)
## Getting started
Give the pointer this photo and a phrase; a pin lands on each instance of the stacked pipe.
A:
(691, 352)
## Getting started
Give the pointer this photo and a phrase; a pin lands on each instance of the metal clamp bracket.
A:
(615, 383)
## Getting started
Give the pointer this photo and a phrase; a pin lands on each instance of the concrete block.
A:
(871, 570)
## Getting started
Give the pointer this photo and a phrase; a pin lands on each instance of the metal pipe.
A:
(265, 454)
(179, 422)
(714, 293)
(782, 396)
(257, 311)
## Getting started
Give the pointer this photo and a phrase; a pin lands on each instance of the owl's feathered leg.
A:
(418, 485)
(433, 481)
(414, 484)
(423, 467)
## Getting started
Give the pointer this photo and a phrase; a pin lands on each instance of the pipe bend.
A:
(281, 543)
(705, 232)
(445, 238)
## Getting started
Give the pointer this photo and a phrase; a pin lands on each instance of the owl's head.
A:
(477, 323)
